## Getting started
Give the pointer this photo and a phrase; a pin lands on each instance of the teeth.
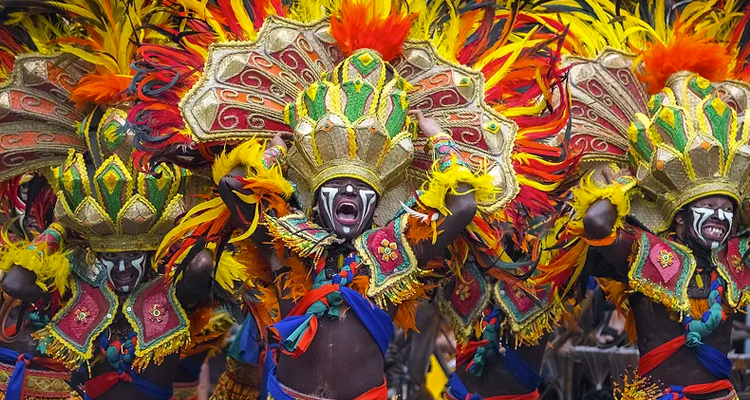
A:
(715, 231)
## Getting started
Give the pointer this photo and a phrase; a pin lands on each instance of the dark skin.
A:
(194, 286)
(652, 320)
(496, 380)
(344, 345)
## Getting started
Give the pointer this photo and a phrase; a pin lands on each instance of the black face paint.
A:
(124, 269)
(346, 206)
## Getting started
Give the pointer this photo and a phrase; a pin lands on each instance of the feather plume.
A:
(380, 26)
(686, 51)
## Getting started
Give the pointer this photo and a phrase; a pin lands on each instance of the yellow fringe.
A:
(460, 331)
(174, 344)
(296, 243)
(530, 333)
(167, 346)
(442, 183)
(52, 269)
(635, 387)
(57, 348)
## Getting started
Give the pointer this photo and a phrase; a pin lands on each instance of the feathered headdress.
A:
(470, 66)
(617, 58)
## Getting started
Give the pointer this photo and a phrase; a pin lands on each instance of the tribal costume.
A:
(355, 215)
(35, 111)
(113, 315)
(661, 110)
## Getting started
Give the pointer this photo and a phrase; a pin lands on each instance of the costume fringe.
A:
(404, 289)
(461, 331)
(635, 387)
(167, 345)
(239, 381)
(170, 345)
(530, 332)
(299, 244)
(51, 344)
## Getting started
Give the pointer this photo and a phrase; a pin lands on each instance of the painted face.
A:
(124, 269)
(346, 205)
(710, 220)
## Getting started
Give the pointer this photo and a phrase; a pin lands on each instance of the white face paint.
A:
(328, 195)
(368, 199)
(109, 266)
(702, 214)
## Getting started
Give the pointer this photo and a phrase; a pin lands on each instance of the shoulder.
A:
(661, 269)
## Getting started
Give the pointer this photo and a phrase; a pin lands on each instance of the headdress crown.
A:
(352, 123)
(116, 207)
(690, 146)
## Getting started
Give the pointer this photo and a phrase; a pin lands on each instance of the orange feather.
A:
(686, 51)
(101, 89)
(357, 27)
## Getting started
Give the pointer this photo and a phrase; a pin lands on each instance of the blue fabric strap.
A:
(377, 321)
(16, 382)
(274, 388)
(458, 390)
(714, 360)
(521, 370)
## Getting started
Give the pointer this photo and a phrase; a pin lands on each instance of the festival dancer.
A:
(338, 163)
(36, 110)
(664, 222)
(114, 218)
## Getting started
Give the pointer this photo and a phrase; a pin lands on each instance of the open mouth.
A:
(347, 213)
(714, 233)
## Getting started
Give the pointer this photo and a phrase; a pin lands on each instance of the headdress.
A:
(36, 112)
(359, 107)
(338, 86)
(352, 124)
(119, 209)
(686, 141)
(79, 98)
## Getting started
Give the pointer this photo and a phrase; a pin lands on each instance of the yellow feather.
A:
(242, 17)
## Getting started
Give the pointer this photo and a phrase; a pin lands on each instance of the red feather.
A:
(357, 28)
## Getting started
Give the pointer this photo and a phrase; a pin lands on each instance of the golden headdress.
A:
(353, 121)
(691, 144)
(119, 209)
(352, 124)
(686, 141)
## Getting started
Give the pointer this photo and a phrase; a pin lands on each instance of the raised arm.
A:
(235, 192)
(603, 220)
(20, 283)
(196, 281)
(30, 267)
(460, 202)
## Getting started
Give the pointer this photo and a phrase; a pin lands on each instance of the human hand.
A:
(277, 140)
(428, 126)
